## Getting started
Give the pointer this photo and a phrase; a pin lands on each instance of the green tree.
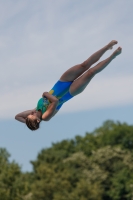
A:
(13, 184)
(97, 166)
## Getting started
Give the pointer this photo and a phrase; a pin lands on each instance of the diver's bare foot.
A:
(111, 44)
(117, 52)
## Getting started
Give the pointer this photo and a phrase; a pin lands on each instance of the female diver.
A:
(70, 84)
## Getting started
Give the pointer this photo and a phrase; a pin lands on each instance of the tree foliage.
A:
(98, 166)
(14, 185)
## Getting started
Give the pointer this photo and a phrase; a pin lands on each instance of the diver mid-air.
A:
(70, 84)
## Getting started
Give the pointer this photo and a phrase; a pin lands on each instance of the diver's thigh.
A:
(79, 85)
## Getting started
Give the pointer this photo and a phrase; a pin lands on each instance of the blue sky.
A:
(38, 42)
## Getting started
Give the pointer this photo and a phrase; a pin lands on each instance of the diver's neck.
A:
(39, 114)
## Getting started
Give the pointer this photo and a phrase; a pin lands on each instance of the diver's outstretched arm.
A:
(21, 117)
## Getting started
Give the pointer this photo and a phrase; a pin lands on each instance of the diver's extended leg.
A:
(80, 84)
(77, 70)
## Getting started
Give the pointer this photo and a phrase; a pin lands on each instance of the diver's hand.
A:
(50, 97)
(44, 94)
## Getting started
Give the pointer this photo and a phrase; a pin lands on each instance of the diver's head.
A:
(33, 120)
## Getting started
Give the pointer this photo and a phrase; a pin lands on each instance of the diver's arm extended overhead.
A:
(23, 115)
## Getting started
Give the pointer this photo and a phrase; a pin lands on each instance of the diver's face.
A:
(33, 116)
(34, 113)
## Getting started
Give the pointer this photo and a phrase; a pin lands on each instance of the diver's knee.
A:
(91, 72)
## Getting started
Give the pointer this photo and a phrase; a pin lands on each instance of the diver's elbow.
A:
(16, 117)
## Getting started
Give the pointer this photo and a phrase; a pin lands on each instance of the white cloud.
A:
(40, 40)
(17, 100)
(100, 93)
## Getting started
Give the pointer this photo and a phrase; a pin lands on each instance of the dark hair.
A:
(32, 124)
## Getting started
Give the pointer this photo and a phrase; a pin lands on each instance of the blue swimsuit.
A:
(61, 91)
